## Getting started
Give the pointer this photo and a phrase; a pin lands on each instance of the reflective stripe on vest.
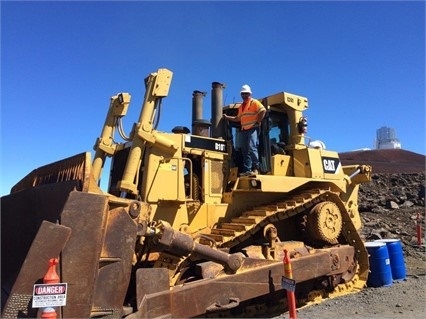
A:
(249, 113)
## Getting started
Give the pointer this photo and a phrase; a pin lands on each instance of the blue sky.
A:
(360, 64)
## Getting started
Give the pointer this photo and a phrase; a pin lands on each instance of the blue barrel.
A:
(396, 257)
(380, 269)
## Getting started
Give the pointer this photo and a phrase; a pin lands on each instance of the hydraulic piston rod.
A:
(184, 244)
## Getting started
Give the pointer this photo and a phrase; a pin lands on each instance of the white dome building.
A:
(386, 139)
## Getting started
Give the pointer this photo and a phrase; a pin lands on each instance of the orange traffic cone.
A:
(51, 276)
(49, 313)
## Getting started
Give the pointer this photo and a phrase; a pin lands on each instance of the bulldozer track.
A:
(240, 228)
(230, 234)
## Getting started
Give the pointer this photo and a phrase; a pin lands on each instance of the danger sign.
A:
(49, 295)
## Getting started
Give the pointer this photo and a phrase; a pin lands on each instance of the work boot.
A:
(254, 172)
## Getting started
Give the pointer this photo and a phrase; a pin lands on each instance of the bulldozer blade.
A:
(75, 169)
(41, 195)
(48, 243)
(155, 280)
(21, 216)
(98, 256)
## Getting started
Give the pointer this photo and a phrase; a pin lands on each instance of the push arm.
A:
(157, 86)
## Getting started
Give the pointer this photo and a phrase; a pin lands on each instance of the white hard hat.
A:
(317, 144)
(245, 89)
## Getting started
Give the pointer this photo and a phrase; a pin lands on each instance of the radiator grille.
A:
(216, 180)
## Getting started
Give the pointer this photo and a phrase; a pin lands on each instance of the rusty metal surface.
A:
(47, 244)
(151, 282)
(85, 214)
(115, 260)
(75, 168)
(98, 256)
(21, 216)
(252, 280)
(183, 244)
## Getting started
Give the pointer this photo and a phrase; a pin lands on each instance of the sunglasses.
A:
(245, 93)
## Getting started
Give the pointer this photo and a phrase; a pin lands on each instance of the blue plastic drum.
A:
(396, 257)
(380, 269)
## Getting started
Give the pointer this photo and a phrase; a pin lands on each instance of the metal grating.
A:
(216, 179)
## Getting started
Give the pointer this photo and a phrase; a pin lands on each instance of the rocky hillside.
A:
(393, 201)
(390, 206)
(387, 161)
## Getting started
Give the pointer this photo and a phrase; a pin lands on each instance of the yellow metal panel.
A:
(163, 174)
(207, 216)
(168, 182)
(294, 101)
(269, 183)
(315, 163)
(172, 212)
(281, 165)
(301, 163)
(162, 82)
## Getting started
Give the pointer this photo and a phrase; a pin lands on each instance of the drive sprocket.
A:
(324, 222)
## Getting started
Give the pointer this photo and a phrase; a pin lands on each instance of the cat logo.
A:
(330, 164)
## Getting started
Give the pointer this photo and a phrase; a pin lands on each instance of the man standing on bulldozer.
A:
(250, 115)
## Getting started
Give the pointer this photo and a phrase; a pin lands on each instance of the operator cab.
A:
(282, 129)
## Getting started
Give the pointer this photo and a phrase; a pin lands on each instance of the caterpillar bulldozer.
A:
(178, 233)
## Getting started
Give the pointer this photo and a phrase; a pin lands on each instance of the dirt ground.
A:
(389, 208)
(403, 299)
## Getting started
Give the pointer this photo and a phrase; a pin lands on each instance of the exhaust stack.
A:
(217, 130)
(199, 126)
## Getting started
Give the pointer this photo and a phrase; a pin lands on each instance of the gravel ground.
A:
(403, 299)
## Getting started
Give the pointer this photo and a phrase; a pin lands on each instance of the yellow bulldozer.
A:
(178, 233)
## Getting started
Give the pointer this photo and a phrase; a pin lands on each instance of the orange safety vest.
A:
(248, 113)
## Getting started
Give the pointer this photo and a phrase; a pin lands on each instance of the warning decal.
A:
(288, 284)
(49, 295)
